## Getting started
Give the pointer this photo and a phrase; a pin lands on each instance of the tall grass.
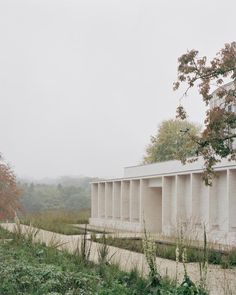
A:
(59, 221)
(62, 216)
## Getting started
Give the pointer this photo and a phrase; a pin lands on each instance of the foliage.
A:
(27, 234)
(171, 143)
(103, 251)
(203, 263)
(22, 278)
(9, 191)
(4, 234)
(71, 194)
(216, 140)
(149, 250)
(187, 287)
(83, 247)
(35, 269)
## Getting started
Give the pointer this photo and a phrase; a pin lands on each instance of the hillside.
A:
(67, 193)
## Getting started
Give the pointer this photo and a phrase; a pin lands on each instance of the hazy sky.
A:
(83, 84)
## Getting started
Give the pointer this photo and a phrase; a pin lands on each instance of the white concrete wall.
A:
(109, 199)
(125, 200)
(155, 182)
(101, 199)
(151, 200)
(94, 199)
(135, 200)
(218, 210)
(169, 204)
(117, 200)
(165, 201)
(200, 201)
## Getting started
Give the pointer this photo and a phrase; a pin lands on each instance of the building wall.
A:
(162, 203)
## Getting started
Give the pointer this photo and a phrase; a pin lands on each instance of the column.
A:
(184, 201)
(94, 197)
(169, 204)
(134, 200)
(125, 200)
(151, 202)
(200, 200)
(101, 200)
(108, 199)
(218, 202)
(117, 200)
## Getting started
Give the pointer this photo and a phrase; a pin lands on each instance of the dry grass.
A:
(58, 220)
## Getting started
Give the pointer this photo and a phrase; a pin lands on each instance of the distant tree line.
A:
(66, 194)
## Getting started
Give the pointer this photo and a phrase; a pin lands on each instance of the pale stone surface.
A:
(218, 279)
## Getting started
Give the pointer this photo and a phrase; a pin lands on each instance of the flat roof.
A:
(168, 168)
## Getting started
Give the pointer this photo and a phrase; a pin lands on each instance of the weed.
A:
(203, 264)
(103, 251)
(55, 242)
(149, 249)
(83, 247)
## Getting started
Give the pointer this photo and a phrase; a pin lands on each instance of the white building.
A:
(168, 194)
(165, 195)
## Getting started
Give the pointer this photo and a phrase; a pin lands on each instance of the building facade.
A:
(166, 195)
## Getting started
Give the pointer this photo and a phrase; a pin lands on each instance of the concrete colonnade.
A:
(163, 201)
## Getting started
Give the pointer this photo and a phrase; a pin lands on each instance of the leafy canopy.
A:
(9, 191)
(171, 142)
(216, 141)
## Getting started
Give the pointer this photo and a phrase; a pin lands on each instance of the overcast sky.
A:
(83, 84)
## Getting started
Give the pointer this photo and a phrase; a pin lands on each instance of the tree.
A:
(215, 142)
(9, 191)
(171, 143)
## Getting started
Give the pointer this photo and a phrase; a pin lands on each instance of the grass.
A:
(5, 235)
(35, 269)
(59, 221)
(62, 216)
(168, 251)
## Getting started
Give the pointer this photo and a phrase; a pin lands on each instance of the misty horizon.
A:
(84, 84)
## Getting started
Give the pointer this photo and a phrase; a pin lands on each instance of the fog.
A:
(83, 84)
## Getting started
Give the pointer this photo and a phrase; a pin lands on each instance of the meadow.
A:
(59, 221)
